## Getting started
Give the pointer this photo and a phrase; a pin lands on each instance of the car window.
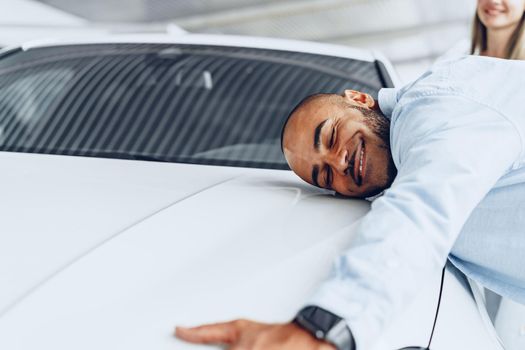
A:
(175, 103)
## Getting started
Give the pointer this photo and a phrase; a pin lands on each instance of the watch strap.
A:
(341, 336)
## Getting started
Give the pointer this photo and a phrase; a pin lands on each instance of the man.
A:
(449, 150)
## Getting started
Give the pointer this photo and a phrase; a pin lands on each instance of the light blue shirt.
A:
(457, 138)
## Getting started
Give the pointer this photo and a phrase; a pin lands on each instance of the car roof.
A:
(179, 37)
(217, 40)
(224, 40)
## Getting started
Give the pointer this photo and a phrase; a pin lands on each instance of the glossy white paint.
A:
(56, 209)
(460, 323)
(220, 40)
(105, 254)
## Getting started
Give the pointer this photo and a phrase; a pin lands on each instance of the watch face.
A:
(317, 321)
(326, 326)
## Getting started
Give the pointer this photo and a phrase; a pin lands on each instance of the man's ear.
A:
(359, 98)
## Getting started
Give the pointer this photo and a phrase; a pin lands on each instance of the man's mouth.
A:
(358, 163)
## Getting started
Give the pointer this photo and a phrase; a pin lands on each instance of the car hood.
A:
(113, 254)
(99, 253)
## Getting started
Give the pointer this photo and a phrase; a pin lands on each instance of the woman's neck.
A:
(497, 42)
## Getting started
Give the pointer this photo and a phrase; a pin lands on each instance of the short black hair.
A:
(304, 102)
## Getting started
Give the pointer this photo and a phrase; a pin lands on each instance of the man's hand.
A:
(249, 335)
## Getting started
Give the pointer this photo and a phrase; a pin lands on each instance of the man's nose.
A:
(339, 161)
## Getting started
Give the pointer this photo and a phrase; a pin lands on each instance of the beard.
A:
(380, 126)
(378, 123)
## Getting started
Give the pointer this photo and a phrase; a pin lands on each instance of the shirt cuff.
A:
(387, 99)
(365, 331)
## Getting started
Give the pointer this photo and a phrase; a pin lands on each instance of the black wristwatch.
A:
(326, 326)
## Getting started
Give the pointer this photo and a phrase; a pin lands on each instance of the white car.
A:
(143, 187)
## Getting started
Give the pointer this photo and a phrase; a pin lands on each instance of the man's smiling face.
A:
(340, 142)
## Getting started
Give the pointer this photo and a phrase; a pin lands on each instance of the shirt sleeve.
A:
(406, 237)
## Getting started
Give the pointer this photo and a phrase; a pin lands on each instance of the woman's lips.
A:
(493, 11)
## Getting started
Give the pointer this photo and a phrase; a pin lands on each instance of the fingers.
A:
(243, 334)
(219, 333)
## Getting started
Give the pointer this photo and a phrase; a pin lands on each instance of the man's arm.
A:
(409, 232)
(406, 237)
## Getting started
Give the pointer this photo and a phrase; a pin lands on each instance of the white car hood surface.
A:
(99, 253)
(113, 254)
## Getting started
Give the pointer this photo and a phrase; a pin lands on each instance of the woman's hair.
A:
(515, 46)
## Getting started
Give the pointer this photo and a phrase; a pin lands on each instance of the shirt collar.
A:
(387, 99)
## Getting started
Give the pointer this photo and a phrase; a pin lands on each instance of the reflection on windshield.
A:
(173, 103)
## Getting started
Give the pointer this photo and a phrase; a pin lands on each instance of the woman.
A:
(499, 29)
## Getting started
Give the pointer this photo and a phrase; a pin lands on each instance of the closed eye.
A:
(328, 177)
(332, 138)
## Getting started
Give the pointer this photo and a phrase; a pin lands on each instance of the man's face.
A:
(331, 145)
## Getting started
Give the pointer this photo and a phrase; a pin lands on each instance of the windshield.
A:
(164, 102)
